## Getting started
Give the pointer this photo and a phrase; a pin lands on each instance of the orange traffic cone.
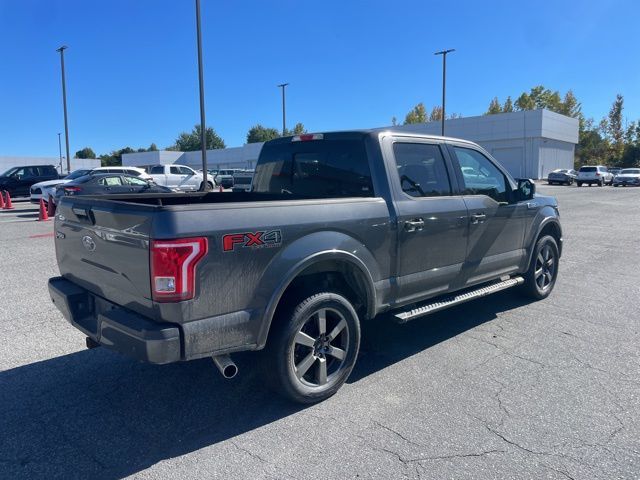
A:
(1, 199)
(43, 212)
(8, 205)
(51, 208)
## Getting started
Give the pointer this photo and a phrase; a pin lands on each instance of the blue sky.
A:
(132, 74)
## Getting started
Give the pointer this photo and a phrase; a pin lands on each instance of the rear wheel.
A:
(313, 347)
(543, 269)
(601, 184)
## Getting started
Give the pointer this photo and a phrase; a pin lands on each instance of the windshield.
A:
(76, 174)
(11, 171)
(630, 171)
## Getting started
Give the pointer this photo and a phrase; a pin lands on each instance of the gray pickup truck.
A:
(337, 228)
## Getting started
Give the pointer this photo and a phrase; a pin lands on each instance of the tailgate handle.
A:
(84, 213)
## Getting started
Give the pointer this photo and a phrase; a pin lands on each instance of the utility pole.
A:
(444, 80)
(60, 151)
(203, 131)
(284, 115)
(64, 105)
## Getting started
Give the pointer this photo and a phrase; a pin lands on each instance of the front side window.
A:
(134, 181)
(174, 170)
(480, 176)
(421, 170)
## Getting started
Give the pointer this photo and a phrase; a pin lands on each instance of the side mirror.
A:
(526, 189)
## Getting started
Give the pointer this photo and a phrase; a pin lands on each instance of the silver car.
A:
(562, 176)
(628, 176)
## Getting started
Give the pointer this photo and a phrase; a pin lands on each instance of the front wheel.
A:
(543, 269)
(313, 347)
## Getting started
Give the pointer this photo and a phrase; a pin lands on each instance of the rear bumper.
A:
(115, 327)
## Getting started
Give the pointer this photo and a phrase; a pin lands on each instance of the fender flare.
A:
(291, 275)
(541, 226)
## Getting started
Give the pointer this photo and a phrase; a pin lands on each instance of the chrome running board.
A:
(428, 308)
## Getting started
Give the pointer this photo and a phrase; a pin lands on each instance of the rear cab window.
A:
(331, 167)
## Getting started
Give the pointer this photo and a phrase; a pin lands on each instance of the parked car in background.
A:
(18, 180)
(135, 171)
(108, 184)
(562, 176)
(46, 189)
(594, 174)
(614, 170)
(178, 177)
(225, 178)
(242, 181)
(627, 176)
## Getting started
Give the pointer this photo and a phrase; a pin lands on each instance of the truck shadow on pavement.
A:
(95, 414)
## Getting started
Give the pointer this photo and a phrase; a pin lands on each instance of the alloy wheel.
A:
(545, 267)
(320, 348)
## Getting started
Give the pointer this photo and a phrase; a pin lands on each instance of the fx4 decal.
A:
(271, 238)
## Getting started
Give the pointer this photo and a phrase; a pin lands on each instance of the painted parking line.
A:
(42, 235)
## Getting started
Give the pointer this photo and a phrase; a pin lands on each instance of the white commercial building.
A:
(9, 162)
(529, 144)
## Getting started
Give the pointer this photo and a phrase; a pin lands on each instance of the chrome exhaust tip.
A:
(227, 367)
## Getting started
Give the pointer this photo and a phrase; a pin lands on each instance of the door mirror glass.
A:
(526, 189)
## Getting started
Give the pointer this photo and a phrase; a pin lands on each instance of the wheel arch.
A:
(548, 226)
(338, 268)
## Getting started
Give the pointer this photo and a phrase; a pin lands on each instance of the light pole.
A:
(60, 151)
(284, 115)
(64, 105)
(203, 131)
(444, 80)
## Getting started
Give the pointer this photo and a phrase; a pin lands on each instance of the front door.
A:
(432, 221)
(496, 223)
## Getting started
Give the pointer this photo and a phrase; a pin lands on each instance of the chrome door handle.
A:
(478, 218)
(413, 225)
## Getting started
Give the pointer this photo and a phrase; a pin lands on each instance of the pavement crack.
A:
(249, 452)
(396, 433)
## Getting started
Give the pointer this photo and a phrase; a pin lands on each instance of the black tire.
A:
(209, 186)
(541, 276)
(297, 342)
(601, 183)
(579, 184)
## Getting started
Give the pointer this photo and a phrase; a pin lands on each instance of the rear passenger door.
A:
(496, 223)
(432, 220)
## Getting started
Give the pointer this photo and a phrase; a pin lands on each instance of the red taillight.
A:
(71, 190)
(173, 268)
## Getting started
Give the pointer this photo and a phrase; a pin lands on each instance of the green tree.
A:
(258, 133)
(190, 142)
(494, 107)
(508, 105)
(152, 148)
(417, 114)
(115, 157)
(394, 121)
(615, 130)
(86, 152)
(298, 129)
(436, 114)
(525, 102)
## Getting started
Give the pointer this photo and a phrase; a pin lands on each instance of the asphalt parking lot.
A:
(497, 388)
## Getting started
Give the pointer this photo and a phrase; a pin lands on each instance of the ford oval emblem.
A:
(88, 243)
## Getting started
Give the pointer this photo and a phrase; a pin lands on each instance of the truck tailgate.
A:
(103, 246)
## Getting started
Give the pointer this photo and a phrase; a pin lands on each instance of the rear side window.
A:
(421, 170)
(110, 181)
(315, 169)
(135, 173)
(158, 169)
